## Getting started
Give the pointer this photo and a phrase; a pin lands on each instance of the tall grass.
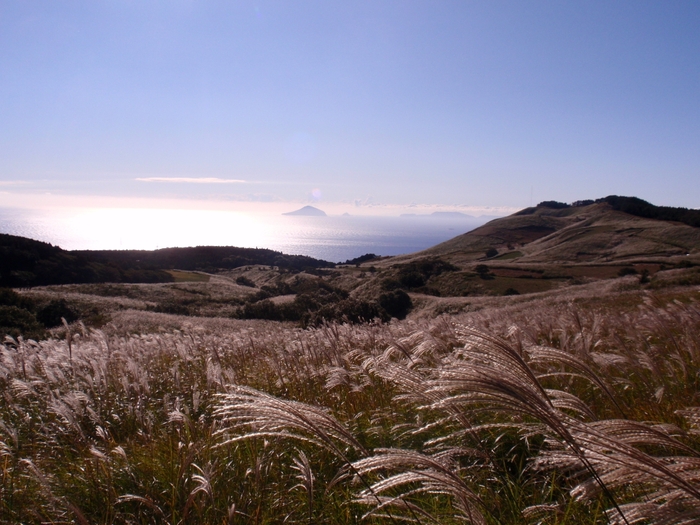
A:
(549, 415)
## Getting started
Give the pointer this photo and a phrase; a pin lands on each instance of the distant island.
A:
(307, 211)
(441, 214)
(451, 215)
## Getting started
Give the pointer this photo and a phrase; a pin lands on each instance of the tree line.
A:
(26, 262)
(637, 207)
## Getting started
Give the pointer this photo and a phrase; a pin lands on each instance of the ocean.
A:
(332, 238)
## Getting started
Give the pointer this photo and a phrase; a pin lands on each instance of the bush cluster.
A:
(20, 316)
(244, 281)
(415, 276)
(317, 302)
(362, 258)
(483, 271)
(626, 270)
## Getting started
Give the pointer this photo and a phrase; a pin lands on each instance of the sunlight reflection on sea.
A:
(331, 238)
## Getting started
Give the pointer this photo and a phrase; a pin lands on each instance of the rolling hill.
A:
(26, 262)
(595, 232)
(550, 246)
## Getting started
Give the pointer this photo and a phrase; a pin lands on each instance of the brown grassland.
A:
(580, 405)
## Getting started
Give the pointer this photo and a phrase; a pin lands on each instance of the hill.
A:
(205, 258)
(550, 246)
(614, 229)
(26, 262)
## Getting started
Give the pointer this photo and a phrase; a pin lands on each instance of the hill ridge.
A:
(632, 206)
(607, 229)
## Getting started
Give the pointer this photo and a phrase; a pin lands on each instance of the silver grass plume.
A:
(669, 484)
(263, 415)
(416, 473)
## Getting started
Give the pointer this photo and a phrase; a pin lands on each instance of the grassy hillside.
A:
(550, 247)
(596, 232)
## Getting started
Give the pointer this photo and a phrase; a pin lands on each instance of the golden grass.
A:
(577, 407)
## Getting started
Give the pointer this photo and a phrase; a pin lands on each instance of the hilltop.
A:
(607, 230)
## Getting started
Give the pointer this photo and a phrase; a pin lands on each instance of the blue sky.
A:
(438, 103)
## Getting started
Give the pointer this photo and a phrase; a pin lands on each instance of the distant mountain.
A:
(307, 211)
(450, 215)
(440, 215)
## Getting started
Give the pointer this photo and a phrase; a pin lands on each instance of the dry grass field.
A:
(578, 405)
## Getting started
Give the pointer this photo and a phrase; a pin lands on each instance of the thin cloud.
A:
(13, 182)
(192, 180)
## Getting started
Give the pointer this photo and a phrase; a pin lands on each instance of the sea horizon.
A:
(331, 238)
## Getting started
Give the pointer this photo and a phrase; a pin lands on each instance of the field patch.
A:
(508, 256)
(180, 276)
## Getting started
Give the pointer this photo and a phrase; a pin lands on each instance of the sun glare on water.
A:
(152, 228)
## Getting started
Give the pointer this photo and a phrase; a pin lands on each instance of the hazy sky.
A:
(455, 103)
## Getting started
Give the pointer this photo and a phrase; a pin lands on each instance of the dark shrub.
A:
(264, 309)
(483, 271)
(362, 258)
(553, 204)
(261, 295)
(397, 303)
(644, 278)
(491, 252)
(244, 281)
(51, 314)
(627, 270)
(16, 321)
(299, 309)
(428, 290)
(17, 317)
(9, 297)
(390, 284)
(511, 291)
(412, 280)
(172, 307)
(348, 311)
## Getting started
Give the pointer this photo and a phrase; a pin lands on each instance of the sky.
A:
(358, 106)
